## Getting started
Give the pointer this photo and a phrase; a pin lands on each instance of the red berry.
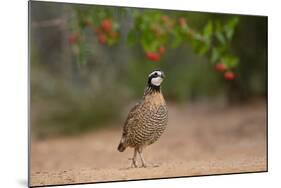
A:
(229, 75)
(182, 22)
(153, 56)
(106, 25)
(162, 50)
(220, 67)
(102, 38)
(72, 38)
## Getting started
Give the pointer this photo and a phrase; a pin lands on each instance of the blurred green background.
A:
(89, 64)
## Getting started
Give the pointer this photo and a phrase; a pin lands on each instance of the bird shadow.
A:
(147, 167)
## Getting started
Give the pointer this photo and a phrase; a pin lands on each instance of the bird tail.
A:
(121, 146)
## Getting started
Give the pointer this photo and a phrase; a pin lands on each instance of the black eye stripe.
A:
(155, 74)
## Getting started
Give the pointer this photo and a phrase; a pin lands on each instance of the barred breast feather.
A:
(146, 121)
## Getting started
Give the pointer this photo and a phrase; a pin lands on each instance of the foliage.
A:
(156, 31)
(87, 71)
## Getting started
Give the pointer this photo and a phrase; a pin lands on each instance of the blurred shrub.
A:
(89, 67)
(63, 107)
(184, 80)
(155, 30)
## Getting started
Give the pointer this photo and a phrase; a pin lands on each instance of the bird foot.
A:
(133, 163)
(149, 165)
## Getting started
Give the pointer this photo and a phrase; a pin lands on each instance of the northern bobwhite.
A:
(147, 120)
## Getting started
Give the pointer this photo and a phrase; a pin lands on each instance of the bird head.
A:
(155, 78)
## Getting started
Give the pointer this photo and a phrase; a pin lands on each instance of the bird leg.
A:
(144, 164)
(141, 157)
(134, 160)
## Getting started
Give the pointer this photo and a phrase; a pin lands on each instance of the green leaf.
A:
(230, 61)
(177, 40)
(215, 54)
(208, 30)
(203, 49)
(233, 22)
(199, 47)
(220, 37)
(145, 45)
(154, 45)
(229, 32)
(230, 27)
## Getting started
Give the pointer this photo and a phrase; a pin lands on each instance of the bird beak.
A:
(162, 75)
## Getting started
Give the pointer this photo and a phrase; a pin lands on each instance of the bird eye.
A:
(155, 74)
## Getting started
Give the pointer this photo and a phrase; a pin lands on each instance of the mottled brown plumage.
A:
(147, 120)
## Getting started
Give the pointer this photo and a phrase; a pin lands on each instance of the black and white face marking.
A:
(155, 78)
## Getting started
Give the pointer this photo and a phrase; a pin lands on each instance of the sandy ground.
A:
(200, 139)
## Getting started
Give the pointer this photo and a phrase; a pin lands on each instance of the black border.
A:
(113, 6)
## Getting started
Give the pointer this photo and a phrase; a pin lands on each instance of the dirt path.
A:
(200, 139)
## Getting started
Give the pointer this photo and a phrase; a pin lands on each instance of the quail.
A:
(147, 120)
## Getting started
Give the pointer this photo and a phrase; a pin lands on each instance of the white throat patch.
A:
(156, 81)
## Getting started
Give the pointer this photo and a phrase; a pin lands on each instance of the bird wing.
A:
(131, 119)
